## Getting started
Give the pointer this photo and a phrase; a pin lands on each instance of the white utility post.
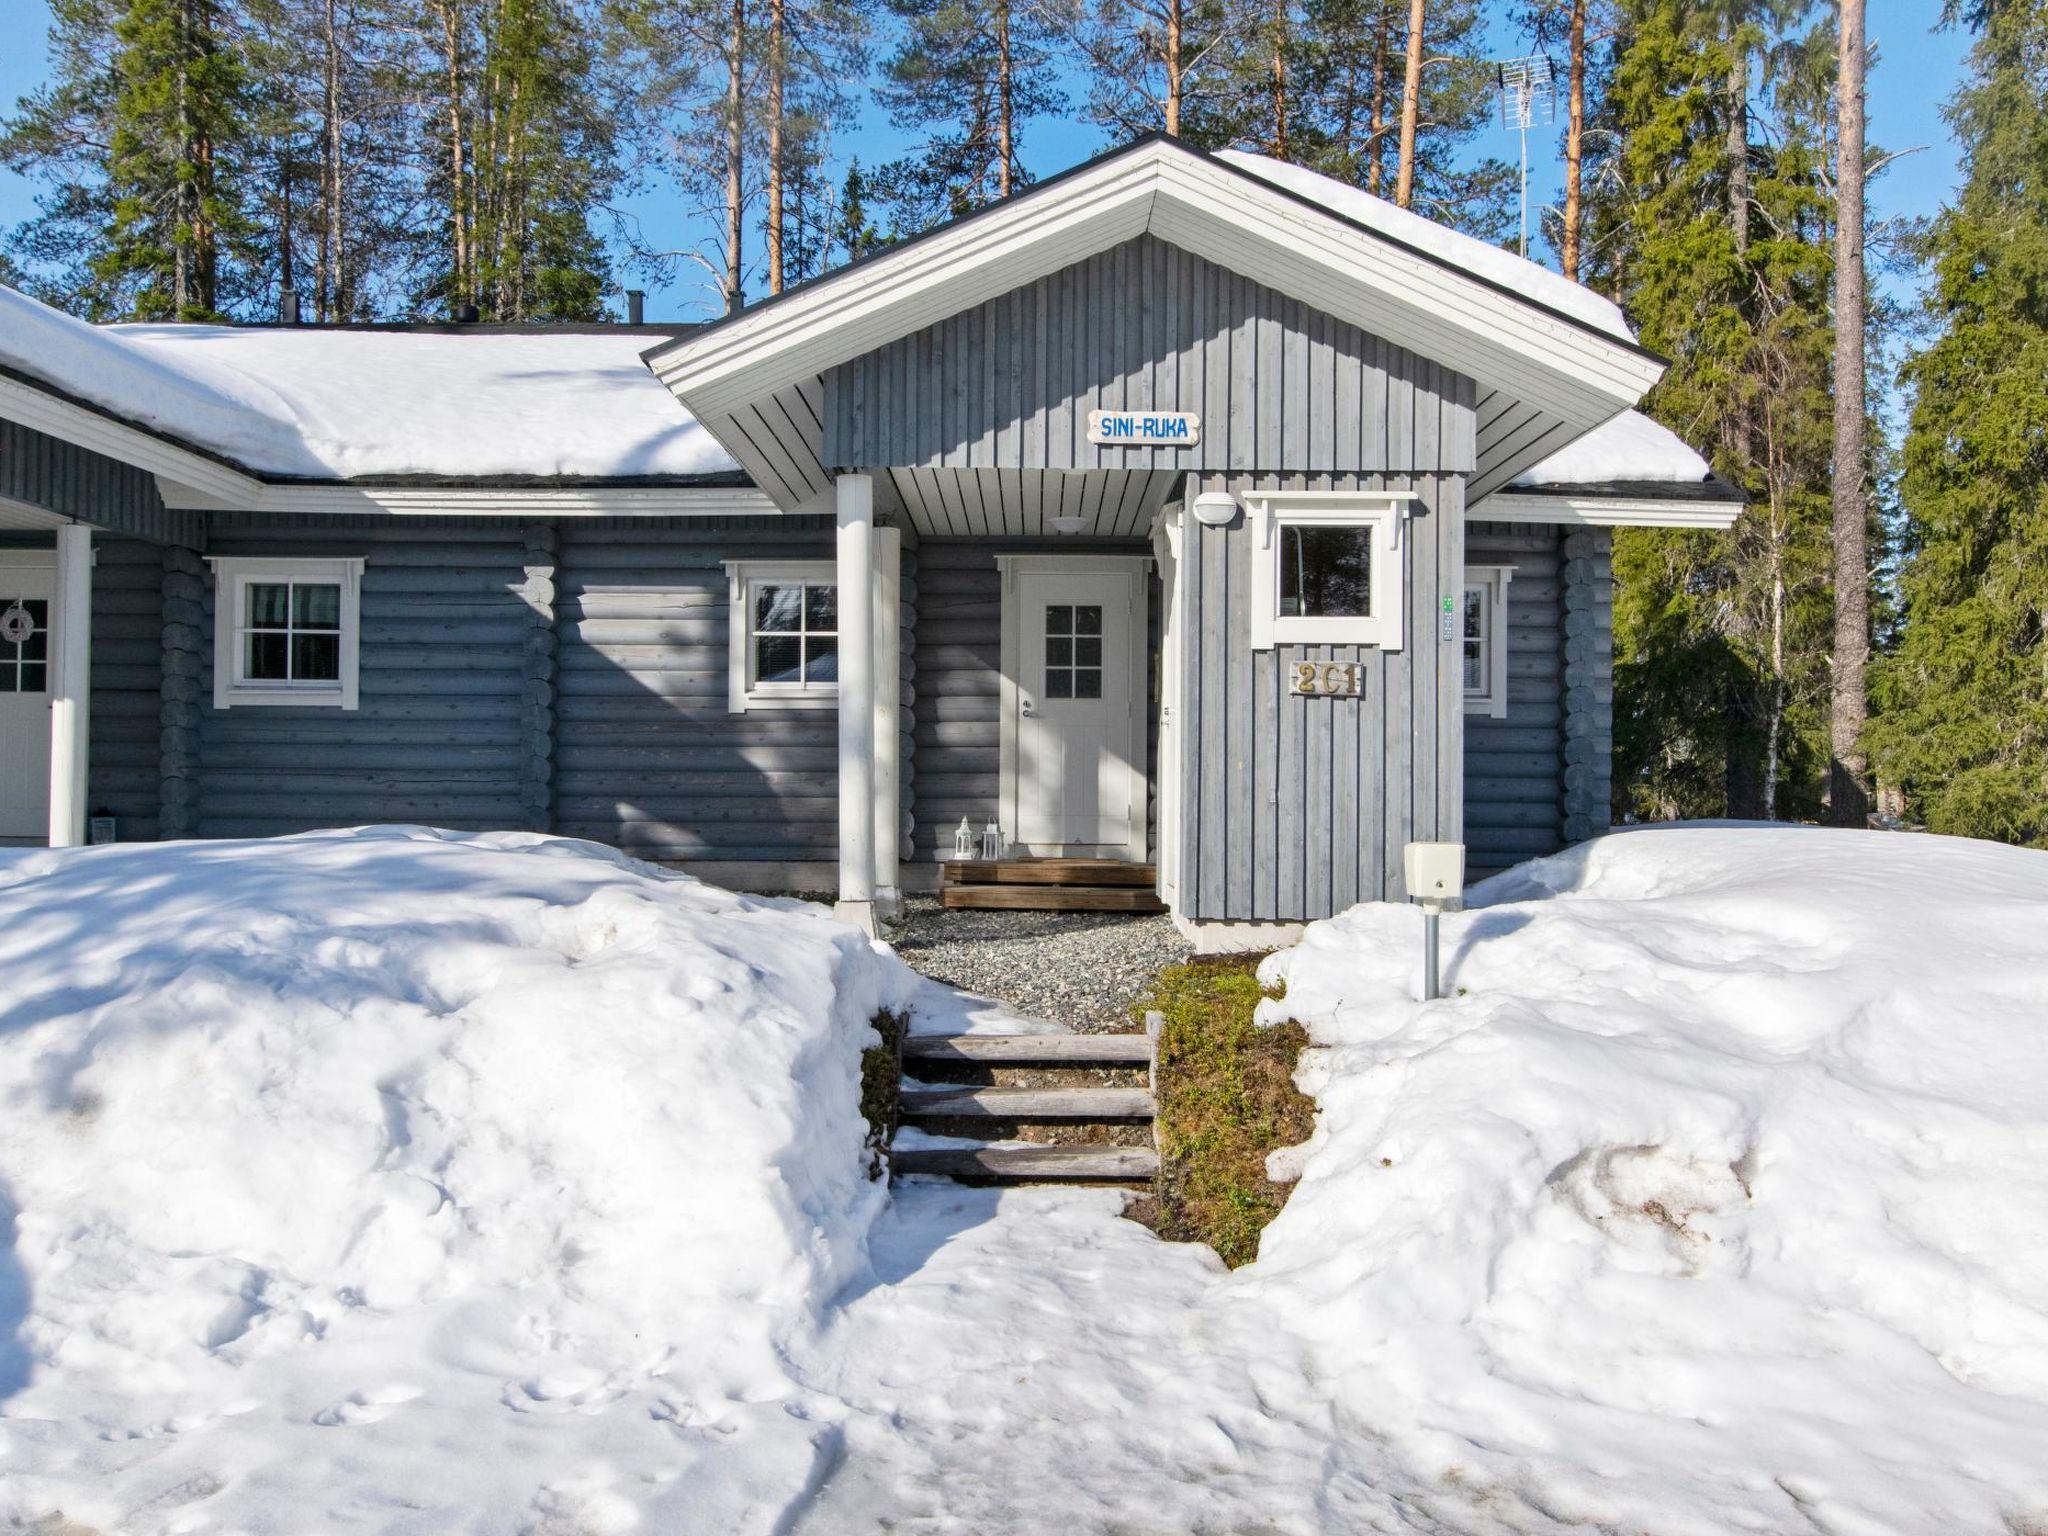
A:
(1435, 875)
(856, 550)
(71, 686)
(888, 728)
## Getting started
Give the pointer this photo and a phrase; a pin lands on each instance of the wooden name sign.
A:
(1326, 679)
(1144, 429)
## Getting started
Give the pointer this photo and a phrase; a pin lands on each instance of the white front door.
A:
(1074, 664)
(28, 583)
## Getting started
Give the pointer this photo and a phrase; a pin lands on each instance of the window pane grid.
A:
(1073, 651)
(1326, 571)
(1478, 641)
(291, 632)
(24, 663)
(795, 634)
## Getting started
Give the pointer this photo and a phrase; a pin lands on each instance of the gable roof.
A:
(1551, 361)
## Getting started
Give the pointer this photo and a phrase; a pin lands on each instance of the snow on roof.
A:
(325, 403)
(1490, 262)
(1631, 447)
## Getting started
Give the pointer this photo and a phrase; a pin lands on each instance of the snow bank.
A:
(1715, 1200)
(400, 1181)
(324, 403)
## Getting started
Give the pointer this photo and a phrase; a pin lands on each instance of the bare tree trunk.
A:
(1006, 127)
(735, 158)
(1574, 143)
(1172, 62)
(1280, 29)
(1774, 730)
(1376, 172)
(1848, 772)
(1411, 105)
(1738, 145)
(332, 301)
(458, 200)
(778, 21)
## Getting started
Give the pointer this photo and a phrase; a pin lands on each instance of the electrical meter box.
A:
(1435, 871)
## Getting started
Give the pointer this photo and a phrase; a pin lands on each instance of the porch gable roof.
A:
(1546, 372)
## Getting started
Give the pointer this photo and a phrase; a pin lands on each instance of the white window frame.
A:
(232, 576)
(1384, 513)
(743, 693)
(1491, 581)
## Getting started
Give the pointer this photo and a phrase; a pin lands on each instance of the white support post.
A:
(71, 686)
(856, 550)
(888, 729)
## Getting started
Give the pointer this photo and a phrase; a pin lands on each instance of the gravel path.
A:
(1079, 969)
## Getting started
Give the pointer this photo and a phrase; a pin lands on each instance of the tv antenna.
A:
(1528, 95)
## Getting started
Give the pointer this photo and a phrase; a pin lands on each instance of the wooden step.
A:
(1048, 872)
(1052, 898)
(1031, 1165)
(1032, 1050)
(937, 1101)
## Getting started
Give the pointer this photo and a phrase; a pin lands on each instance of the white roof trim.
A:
(1229, 215)
(1604, 511)
(498, 501)
(57, 417)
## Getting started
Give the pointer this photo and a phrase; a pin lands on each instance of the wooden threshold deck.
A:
(1051, 885)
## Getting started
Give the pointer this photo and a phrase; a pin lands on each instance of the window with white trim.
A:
(1483, 639)
(1326, 567)
(286, 631)
(782, 627)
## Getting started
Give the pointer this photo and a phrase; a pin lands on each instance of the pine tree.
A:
(1962, 705)
(1722, 640)
(966, 77)
(1162, 66)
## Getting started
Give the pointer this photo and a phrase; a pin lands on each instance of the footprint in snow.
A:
(366, 1407)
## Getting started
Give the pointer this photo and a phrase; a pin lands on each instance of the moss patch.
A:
(1226, 1099)
(881, 1089)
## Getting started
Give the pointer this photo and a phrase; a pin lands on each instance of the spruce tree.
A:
(1722, 640)
(1962, 704)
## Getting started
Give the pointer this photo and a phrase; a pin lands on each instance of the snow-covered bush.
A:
(1715, 1199)
(517, 1160)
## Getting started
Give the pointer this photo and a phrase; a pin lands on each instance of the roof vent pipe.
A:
(636, 306)
(287, 305)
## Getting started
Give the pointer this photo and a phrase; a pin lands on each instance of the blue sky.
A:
(1917, 69)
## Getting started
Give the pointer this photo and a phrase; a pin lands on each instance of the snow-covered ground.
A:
(400, 1182)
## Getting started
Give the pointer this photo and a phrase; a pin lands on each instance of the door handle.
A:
(1026, 707)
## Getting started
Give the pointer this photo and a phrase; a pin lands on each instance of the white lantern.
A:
(964, 843)
(991, 842)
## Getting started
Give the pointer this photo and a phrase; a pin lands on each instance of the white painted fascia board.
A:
(73, 423)
(904, 290)
(488, 501)
(1604, 511)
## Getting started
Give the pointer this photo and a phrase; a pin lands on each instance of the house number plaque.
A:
(1326, 679)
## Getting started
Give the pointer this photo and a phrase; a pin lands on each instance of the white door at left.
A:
(28, 583)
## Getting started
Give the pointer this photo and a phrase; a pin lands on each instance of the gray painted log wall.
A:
(61, 477)
(957, 729)
(1293, 807)
(127, 679)
(1280, 387)
(1514, 766)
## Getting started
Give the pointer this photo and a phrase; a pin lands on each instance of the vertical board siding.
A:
(1514, 766)
(1298, 807)
(439, 734)
(127, 677)
(646, 755)
(61, 477)
(1280, 387)
(956, 714)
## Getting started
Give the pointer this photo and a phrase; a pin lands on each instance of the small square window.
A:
(784, 634)
(285, 631)
(1327, 567)
(1325, 573)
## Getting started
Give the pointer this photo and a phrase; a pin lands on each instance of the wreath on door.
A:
(16, 624)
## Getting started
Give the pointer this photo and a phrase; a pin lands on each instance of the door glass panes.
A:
(1073, 650)
(24, 644)
(1475, 640)
(291, 632)
(1325, 571)
(796, 634)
